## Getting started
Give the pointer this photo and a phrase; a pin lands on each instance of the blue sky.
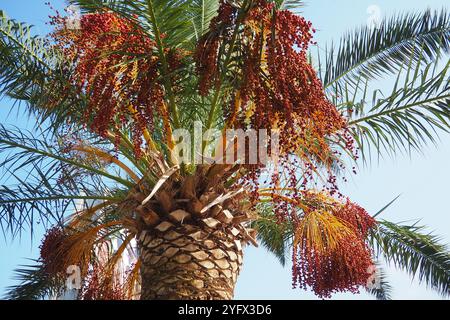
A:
(422, 179)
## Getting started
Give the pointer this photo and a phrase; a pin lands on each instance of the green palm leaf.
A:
(418, 253)
(406, 118)
(274, 236)
(31, 149)
(202, 11)
(34, 284)
(373, 52)
(289, 4)
(383, 289)
(45, 184)
(24, 60)
(31, 73)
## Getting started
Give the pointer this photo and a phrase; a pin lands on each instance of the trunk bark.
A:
(188, 263)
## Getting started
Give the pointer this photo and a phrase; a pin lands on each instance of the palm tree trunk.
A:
(191, 237)
(186, 262)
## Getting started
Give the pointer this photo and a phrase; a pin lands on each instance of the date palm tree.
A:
(108, 93)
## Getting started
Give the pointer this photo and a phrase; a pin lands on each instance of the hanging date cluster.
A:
(330, 250)
(116, 66)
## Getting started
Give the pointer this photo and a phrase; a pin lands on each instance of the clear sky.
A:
(422, 180)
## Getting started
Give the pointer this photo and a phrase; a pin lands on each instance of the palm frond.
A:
(45, 184)
(34, 284)
(290, 4)
(29, 149)
(420, 254)
(202, 11)
(406, 118)
(372, 52)
(274, 236)
(31, 73)
(386, 206)
(382, 289)
(25, 60)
